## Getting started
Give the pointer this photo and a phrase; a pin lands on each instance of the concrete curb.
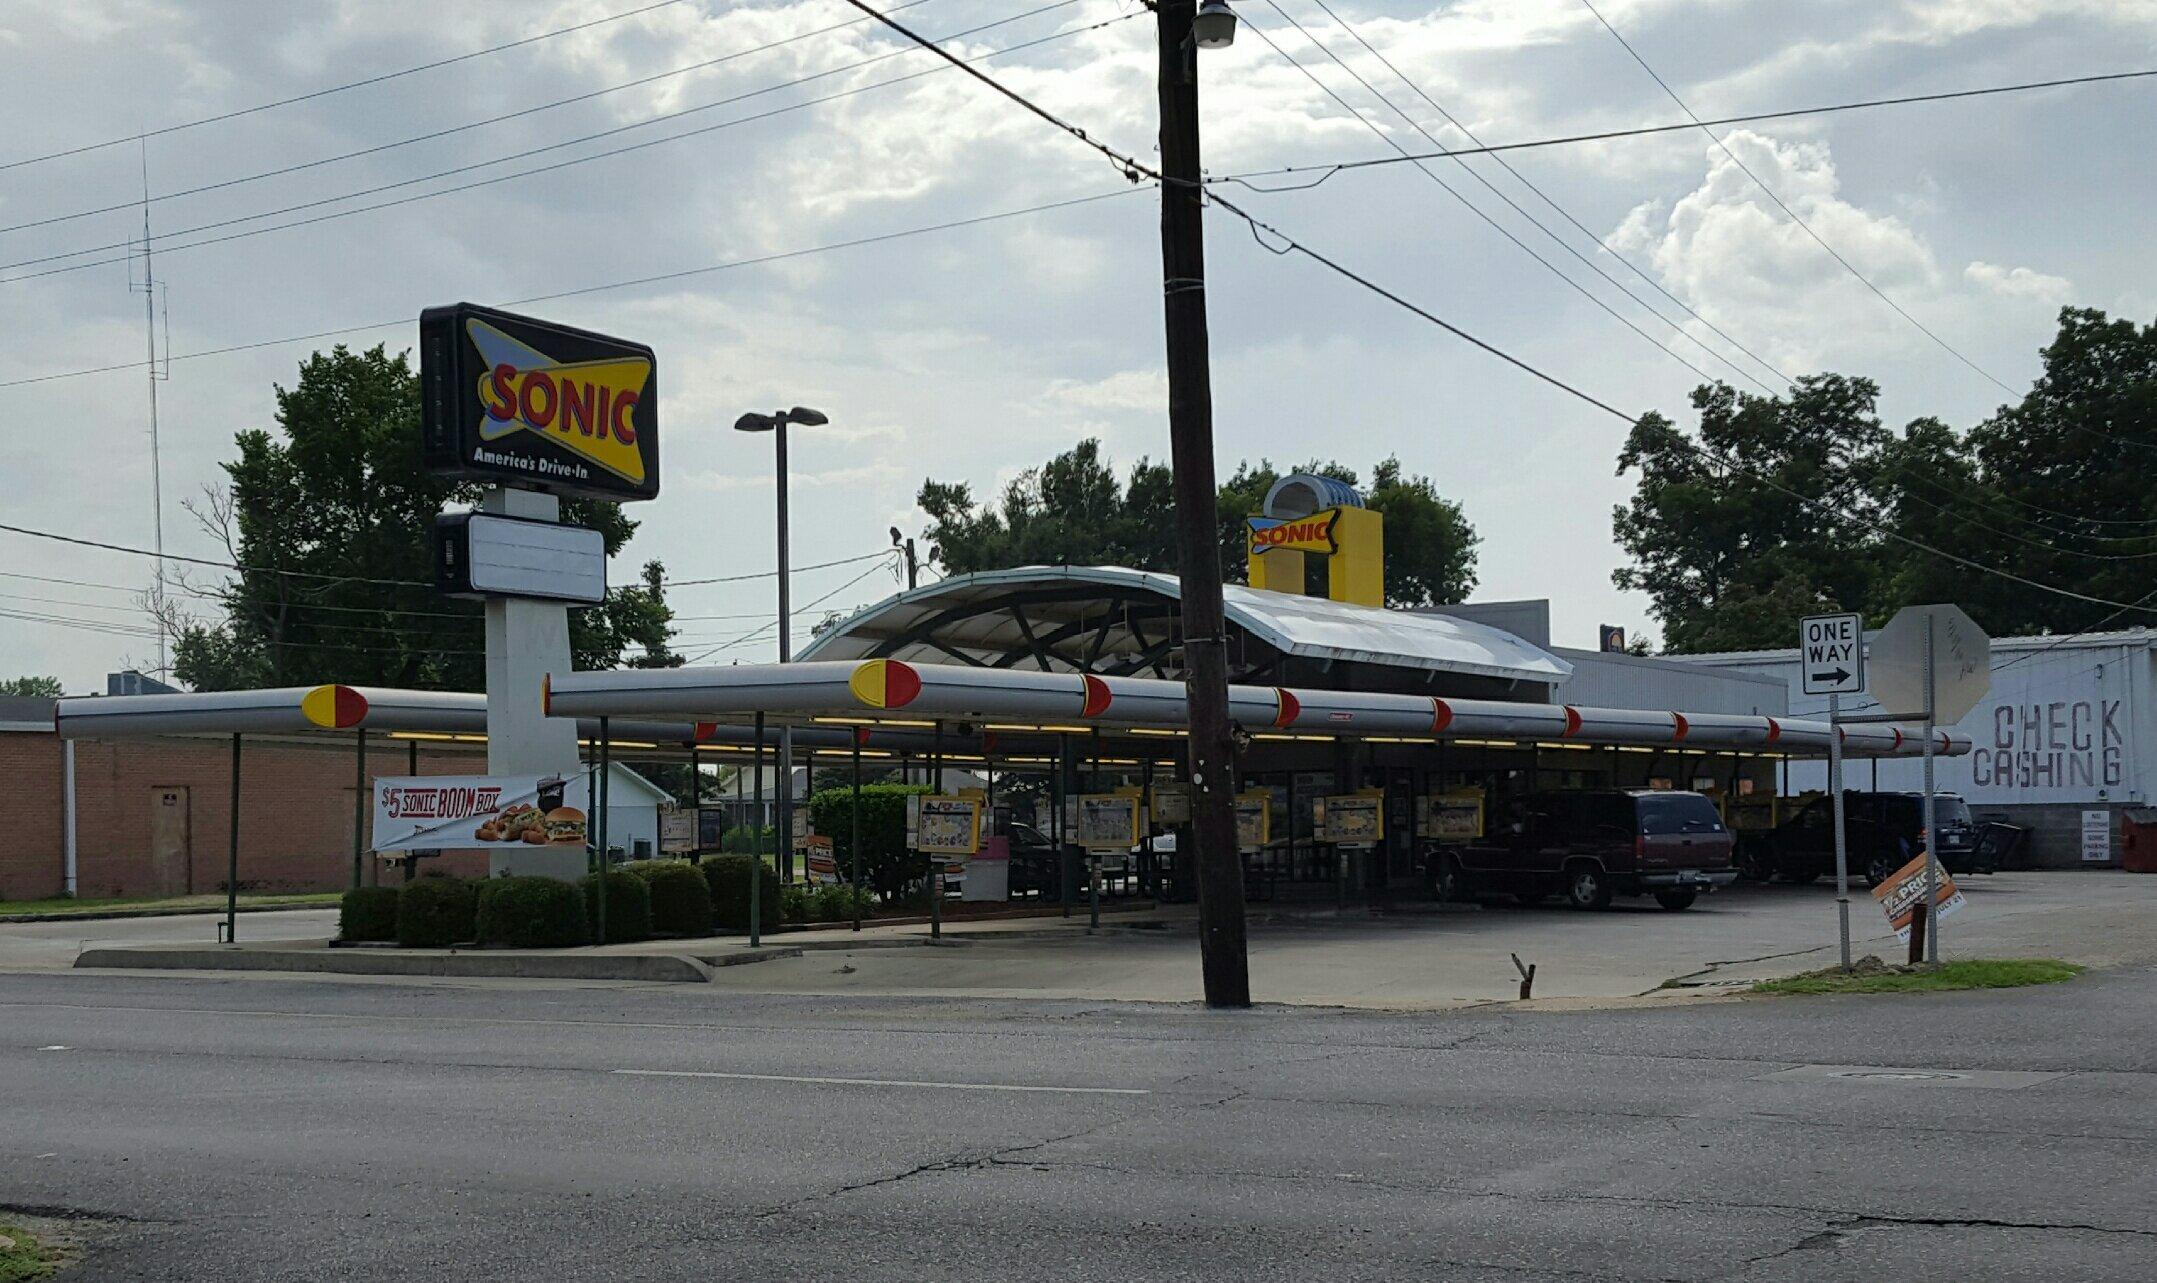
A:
(661, 968)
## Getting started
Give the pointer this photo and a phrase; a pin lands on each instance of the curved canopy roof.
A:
(1121, 622)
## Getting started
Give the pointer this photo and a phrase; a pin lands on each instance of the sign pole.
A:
(1842, 848)
(855, 845)
(1932, 861)
(599, 883)
(936, 859)
(756, 840)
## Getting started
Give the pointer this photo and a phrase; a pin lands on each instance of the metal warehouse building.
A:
(2061, 746)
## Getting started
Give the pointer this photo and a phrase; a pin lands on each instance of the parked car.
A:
(1590, 845)
(1881, 831)
(1036, 865)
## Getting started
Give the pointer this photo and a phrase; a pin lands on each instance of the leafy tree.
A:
(33, 687)
(1074, 511)
(1731, 557)
(334, 516)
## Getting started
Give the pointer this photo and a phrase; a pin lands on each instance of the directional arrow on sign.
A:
(1834, 677)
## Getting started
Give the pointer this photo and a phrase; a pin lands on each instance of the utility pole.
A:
(1222, 942)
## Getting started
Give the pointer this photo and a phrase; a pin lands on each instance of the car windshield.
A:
(1678, 813)
(1950, 812)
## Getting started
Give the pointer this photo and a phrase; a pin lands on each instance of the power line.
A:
(1546, 197)
(455, 129)
(1259, 228)
(1501, 229)
(729, 265)
(333, 89)
(773, 623)
(1784, 206)
(534, 151)
(1328, 170)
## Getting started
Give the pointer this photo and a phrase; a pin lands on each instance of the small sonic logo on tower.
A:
(1295, 534)
(514, 400)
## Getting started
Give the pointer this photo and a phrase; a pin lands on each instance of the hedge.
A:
(368, 913)
(736, 840)
(629, 907)
(532, 913)
(434, 912)
(681, 899)
(886, 865)
(727, 876)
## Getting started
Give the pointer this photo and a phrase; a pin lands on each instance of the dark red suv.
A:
(1592, 844)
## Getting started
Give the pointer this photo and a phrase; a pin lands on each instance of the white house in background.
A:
(2065, 740)
(633, 805)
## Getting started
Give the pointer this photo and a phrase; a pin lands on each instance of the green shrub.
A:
(434, 912)
(886, 865)
(838, 903)
(728, 878)
(794, 902)
(368, 913)
(735, 841)
(629, 907)
(532, 913)
(681, 899)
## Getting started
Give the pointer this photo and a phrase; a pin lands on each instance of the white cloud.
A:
(2020, 282)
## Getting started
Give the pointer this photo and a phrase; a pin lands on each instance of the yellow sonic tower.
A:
(1305, 515)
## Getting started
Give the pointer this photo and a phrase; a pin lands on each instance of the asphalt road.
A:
(252, 1129)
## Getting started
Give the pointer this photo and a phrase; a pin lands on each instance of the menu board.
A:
(1172, 803)
(1108, 822)
(1254, 819)
(947, 825)
(1353, 819)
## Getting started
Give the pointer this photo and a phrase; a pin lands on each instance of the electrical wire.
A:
(1547, 199)
(1807, 228)
(660, 278)
(446, 131)
(1500, 228)
(773, 623)
(161, 239)
(1327, 170)
(1287, 244)
(333, 89)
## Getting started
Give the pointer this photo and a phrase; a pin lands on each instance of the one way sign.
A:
(1831, 654)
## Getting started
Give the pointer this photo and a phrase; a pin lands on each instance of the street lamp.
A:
(1215, 25)
(775, 423)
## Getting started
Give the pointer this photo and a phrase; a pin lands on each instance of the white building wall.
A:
(2067, 726)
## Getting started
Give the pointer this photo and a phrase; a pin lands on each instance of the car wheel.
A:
(1451, 883)
(1587, 887)
(1879, 869)
(1753, 864)
(1676, 900)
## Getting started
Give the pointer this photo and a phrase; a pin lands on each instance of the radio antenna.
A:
(149, 287)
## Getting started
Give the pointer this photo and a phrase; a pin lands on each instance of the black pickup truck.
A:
(1883, 832)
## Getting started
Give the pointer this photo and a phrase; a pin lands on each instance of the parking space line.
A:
(881, 1082)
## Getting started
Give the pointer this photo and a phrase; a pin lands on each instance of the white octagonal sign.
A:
(1961, 655)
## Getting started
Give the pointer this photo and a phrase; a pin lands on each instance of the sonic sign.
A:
(518, 401)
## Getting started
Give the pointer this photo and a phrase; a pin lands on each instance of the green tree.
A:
(334, 516)
(1073, 510)
(1731, 557)
(32, 687)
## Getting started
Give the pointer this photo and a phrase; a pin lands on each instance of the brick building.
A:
(152, 814)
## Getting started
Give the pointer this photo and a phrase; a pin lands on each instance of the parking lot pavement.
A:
(1454, 959)
(52, 946)
(1317, 958)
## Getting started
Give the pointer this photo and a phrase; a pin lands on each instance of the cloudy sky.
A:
(970, 354)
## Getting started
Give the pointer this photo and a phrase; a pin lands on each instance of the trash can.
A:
(2138, 839)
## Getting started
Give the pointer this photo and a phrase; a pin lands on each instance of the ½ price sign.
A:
(1831, 654)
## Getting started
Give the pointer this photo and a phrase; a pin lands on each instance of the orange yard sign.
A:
(1900, 895)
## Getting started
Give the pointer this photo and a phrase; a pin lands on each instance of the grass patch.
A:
(1870, 975)
(134, 905)
(22, 1257)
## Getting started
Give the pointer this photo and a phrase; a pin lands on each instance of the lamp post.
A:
(775, 424)
(1184, 27)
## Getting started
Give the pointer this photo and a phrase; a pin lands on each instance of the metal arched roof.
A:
(1121, 622)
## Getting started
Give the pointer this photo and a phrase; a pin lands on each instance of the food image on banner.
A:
(1350, 820)
(948, 826)
(1254, 819)
(1108, 822)
(819, 860)
(1900, 895)
(1172, 803)
(424, 812)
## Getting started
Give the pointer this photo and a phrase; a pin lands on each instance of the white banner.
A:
(418, 812)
